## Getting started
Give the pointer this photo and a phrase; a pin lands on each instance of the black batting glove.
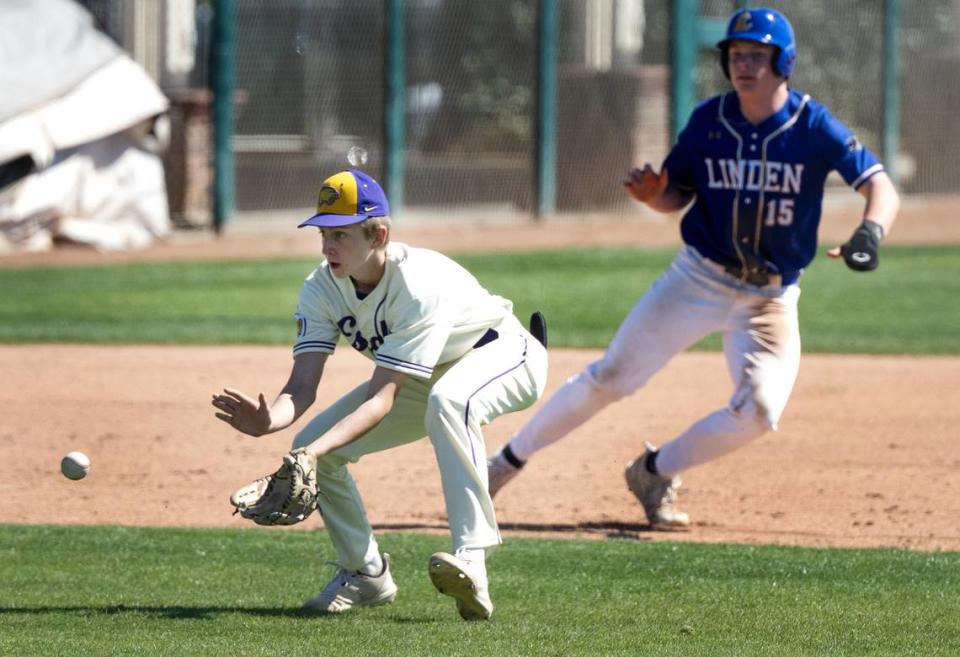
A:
(860, 252)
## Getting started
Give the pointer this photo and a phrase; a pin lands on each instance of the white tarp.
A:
(84, 113)
(46, 48)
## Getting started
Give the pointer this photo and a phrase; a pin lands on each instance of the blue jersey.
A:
(759, 188)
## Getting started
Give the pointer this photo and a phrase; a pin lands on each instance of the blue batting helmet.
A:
(762, 25)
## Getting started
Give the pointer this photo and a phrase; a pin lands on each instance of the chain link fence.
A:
(840, 63)
(310, 77)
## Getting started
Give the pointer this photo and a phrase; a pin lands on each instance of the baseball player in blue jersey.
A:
(751, 164)
(448, 358)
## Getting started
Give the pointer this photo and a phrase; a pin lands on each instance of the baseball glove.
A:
(286, 497)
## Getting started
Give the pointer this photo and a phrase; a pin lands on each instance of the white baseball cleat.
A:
(657, 494)
(350, 589)
(499, 472)
(464, 582)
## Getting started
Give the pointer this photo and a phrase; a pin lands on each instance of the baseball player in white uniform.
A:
(449, 357)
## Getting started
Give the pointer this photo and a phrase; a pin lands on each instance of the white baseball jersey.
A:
(426, 311)
(469, 360)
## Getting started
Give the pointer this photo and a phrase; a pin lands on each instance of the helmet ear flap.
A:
(784, 61)
(776, 62)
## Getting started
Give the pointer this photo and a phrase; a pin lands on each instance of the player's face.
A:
(349, 252)
(751, 68)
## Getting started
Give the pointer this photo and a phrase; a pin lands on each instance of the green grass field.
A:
(115, 591)
(908, 306)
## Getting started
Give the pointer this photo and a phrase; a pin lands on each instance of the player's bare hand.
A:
(645, 184)
(243, 413)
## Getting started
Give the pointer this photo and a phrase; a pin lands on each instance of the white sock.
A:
(373, 567)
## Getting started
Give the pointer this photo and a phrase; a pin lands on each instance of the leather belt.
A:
(754, 275)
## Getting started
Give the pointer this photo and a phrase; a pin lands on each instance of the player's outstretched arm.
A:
(381, 393)
(255, 417)
(654, 189)
(860, 252)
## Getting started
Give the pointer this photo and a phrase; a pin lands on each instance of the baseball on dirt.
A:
(75, 465)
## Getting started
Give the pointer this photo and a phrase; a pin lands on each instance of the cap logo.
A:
(744, 23)
(328, 196)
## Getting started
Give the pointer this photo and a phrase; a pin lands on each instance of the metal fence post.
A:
(546, 132)
(683, 59)
(395, 100)
(891, 87)
(222, 74)
(690, 33)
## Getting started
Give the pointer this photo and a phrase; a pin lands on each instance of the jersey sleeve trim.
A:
(314, 345)
(404, 366)
(867, 175)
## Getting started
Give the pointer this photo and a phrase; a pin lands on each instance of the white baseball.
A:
(75, 465)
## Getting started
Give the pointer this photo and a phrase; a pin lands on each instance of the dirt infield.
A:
(867, 454)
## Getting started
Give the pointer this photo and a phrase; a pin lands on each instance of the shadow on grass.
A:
(625, 530)
(173, 612)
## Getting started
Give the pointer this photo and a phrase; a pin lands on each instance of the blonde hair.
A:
(370, 225)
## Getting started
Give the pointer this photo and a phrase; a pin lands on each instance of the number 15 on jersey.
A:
(779, 212)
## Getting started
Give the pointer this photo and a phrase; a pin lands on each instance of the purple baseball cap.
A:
(347, 198)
